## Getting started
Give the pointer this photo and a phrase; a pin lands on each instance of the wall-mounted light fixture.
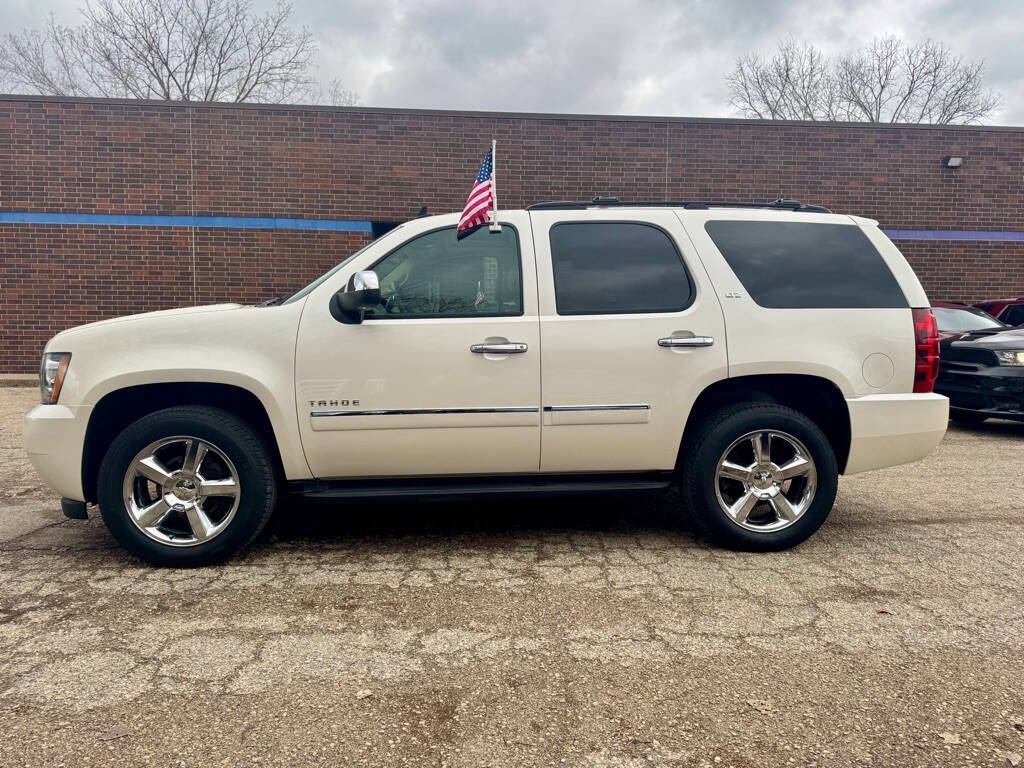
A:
(952, 161)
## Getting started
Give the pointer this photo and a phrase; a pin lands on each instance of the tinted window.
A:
(610, 267)
(1013, 315)
(785, 265)
(963, 319)
(438, 275)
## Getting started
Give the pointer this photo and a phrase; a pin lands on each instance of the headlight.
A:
(51, 375)
(1010, 357)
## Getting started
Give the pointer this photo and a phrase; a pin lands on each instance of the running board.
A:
(467, 487)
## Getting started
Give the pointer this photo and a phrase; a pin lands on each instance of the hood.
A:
(1011, 338)
(148, 315)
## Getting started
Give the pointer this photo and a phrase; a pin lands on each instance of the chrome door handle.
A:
(508, 348)
(686, 341)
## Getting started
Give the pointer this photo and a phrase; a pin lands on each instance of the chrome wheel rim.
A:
(765, 480)
(181, 491)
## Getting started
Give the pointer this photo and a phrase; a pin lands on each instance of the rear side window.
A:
(604, 268)
(791, 265)
(1013, 315)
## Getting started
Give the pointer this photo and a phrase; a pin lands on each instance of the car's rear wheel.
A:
(759, 476)
(187, 486)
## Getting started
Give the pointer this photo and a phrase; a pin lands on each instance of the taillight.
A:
(926, 348)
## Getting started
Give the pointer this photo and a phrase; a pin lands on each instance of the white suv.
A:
(745, 354)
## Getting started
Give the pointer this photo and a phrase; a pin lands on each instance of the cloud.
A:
(18, 14)
(642, 57)
(658, 57)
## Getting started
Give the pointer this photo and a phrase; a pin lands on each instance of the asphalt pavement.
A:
(588, 632)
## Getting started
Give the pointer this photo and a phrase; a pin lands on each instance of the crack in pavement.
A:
(500, 634)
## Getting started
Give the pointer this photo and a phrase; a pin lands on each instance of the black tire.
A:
(967, 418)
(714, 435)
(238, 441)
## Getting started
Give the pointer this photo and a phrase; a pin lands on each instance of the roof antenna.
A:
(422, 213)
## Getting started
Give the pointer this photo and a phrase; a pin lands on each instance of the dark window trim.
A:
(675, 247)
(750, 295)
(462, 315)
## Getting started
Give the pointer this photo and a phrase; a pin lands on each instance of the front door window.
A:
(436, 275)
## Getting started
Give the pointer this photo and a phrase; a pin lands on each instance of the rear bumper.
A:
(886, 430)
(54, 436)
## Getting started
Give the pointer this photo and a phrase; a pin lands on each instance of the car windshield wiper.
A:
(271, 302)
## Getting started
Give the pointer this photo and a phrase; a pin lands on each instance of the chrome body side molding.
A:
(426, 418)
(601, 413)
(425, 411)
(577, 408)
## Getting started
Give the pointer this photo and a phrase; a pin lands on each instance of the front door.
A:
(441, 378)
(632, 332)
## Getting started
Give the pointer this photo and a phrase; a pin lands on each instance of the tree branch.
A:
(214, 50)
(884, 81)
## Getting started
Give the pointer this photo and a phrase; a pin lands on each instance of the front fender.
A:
(252, 348)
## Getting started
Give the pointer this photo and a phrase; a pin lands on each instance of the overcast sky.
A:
(653, 57)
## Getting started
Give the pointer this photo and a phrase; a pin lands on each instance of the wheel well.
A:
(120, 408)
(818, 399)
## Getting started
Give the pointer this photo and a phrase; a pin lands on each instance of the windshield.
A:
(302, 293)
(962, 320)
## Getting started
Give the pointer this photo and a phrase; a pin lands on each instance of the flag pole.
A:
(495, 226)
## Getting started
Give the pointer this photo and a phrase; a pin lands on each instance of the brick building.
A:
(114, 207)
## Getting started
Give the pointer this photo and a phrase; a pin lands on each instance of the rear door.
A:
(631, 332)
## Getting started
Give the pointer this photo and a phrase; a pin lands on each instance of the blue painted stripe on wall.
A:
(952, 234)
(225, 222)
(358, 225)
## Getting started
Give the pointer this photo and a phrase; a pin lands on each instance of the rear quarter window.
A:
(794, 265)
(1013, 315)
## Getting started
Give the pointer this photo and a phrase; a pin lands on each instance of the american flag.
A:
(480, 201)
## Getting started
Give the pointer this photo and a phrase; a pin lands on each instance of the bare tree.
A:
(190, 50)
(886, 81)
(335, 95)
(795, 84)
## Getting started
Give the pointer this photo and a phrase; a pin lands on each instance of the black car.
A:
(981, 364)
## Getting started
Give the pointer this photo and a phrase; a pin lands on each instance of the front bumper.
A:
(886, 430)
(996, 390)
(54, 438)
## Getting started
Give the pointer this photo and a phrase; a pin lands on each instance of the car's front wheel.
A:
(187, 486)
(759, 476)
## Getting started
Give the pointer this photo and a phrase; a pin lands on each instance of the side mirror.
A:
(361, 293)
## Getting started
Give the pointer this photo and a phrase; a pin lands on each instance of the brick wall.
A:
(144, 158)
(54, 277)
(967, 271)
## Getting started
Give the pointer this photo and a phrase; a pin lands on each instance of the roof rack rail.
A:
(613, 202)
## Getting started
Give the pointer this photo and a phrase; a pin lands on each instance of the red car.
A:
(1010, 311)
